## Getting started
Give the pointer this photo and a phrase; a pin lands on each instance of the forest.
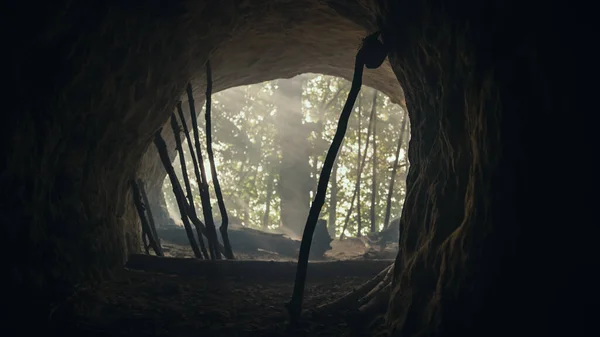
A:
(270, 141)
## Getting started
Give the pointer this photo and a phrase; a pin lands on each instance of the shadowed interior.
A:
(91, 82)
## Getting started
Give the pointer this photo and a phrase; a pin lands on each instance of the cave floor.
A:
(138, 303)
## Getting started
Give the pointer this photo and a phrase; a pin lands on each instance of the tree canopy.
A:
(285, 126)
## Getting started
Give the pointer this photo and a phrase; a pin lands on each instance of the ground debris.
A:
(139, 303)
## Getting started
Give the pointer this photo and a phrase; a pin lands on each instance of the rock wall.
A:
(91, 82)
(478, 248)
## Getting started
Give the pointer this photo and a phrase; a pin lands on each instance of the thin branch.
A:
(213, 241)
(213, 169)
(192, 207)
(148, 210)
(137, 199)
(161, 146)
(295, 305)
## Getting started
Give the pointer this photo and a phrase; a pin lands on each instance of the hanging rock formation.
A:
(487, 85)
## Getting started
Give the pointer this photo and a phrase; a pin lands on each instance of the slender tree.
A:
(265, 221)
(295, 182)
(361, 166)
(333, 198)
(388, 203)
(373, 210)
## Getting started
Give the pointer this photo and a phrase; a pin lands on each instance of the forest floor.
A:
(348, 249)
(244, 297)
(137, 303)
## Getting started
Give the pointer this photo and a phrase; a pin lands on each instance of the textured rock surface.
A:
(478, 250)
(91, 82)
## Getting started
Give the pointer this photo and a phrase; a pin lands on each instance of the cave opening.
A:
(91, 83)
(270, 140)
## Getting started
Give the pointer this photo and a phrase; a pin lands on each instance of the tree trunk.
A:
(247, 211)
(356, 187)
(388, 203)
(374, 179)
(333, 198)
(265, 222)
(294, 175)
(317, 152)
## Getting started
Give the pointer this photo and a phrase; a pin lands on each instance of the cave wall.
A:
(90, 83)
(488, 85)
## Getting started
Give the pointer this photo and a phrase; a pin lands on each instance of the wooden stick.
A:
(192, 207)
(213, 241)
(213, 169)
(295, 305)
(145, 242)
(137, 199)
(161, 146)
(186, 180)
(372, 54)
(182, 164)
(201, 228)
(148, 210)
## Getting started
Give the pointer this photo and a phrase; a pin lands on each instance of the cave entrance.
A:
(270, 141)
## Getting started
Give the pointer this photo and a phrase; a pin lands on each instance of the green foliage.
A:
(247, 152)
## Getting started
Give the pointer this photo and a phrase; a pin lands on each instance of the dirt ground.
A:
(348, 249)
(148, 303)
(151, 304)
